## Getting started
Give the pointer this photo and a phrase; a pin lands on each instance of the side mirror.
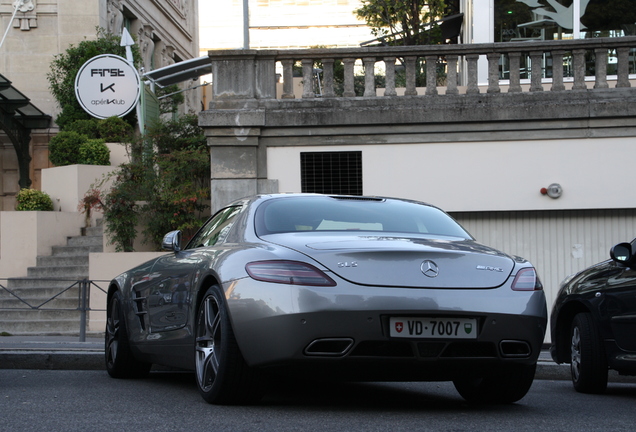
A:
(622, 253)
(172, 241)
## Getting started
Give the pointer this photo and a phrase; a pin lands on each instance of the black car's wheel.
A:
(120, 361)
(222, 375)
(506, 385)
(588, 364)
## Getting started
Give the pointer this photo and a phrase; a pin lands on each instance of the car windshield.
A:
(318, 213)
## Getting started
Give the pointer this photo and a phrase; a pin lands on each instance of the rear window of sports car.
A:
(294, 214)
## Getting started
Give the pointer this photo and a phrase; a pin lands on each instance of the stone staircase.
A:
(52, 307)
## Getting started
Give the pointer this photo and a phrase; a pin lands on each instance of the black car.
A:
(593, 320)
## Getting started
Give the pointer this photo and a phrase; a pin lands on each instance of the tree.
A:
(403, 22)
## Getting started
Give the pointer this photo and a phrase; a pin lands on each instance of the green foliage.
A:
(182, 133)
(88, 127)
(121, 211)
(94, 152)
(66, 65)
(164, 187)
(169, 104)
(115, 129)
(33, 200)
(400, 22)
(180, 185)
(64, 148)
(69, 148)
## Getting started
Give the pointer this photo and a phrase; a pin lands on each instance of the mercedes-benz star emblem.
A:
(430, 269)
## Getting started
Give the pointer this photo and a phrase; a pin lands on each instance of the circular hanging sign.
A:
(107, 85)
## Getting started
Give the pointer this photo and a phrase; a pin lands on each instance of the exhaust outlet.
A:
(329, 347)
(515, 349)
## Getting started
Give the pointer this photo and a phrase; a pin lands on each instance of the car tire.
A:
(506, 385)
(222, 374)
(588, 364)
(120, 360)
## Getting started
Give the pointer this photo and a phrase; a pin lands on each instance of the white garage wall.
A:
(557, 243)
(486, 176)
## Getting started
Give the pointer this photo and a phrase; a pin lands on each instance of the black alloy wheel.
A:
(222, 375)
(588, 364)
(120, 361)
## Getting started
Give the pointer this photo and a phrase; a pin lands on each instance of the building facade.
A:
(165, 30)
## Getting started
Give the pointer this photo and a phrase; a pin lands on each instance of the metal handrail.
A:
(83, 305)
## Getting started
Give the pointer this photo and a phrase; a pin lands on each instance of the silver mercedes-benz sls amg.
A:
(330, 287)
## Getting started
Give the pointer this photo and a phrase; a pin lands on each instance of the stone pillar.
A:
(493, 72)
(234, 164)
(579, 69)
(242, 74)
(623, 67)
(451, 75)
(389, 65)
(601, 68)
(410, 76)
(557, 71)
(536, 73)
(369, 76)
(472, 87)
(515, 72)
(431, 75)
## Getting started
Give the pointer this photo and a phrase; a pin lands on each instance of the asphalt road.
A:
(61, 400)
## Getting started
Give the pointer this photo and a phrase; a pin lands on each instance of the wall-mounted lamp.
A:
(553, 191)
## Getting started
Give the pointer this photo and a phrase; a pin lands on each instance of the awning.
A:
(179, 72)
(18, 116)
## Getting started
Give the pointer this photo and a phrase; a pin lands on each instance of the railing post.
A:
(308, 78)
(557, 71)
(288, 79)
(410, 76)
(600, 73)
(472, 87)
(451, 75)
(623, 67)
(389, 65)
(349, 89)
(327, 77)
(83, 306)
(369, 76)
(493, 73)
(536, 73)
(514, 58)
(431, 75)
(579, 69)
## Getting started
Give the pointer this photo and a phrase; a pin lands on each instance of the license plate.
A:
(433, 328)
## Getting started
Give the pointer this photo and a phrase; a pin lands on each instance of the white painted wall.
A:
(486, 176)
(25, 235)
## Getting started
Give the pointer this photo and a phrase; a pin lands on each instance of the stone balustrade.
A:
(251, 74)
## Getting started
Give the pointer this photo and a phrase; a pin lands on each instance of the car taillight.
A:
(527, 280)
(288, 272)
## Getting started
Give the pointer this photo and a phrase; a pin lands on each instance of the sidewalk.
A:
(51, 352)
(67, 353)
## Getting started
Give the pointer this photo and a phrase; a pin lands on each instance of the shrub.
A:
(115, 129)
(32, 199)
(94, 152)
(64, 148)
(90, 128)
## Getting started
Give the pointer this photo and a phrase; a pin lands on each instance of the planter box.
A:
(25, 235)
(67, 185)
